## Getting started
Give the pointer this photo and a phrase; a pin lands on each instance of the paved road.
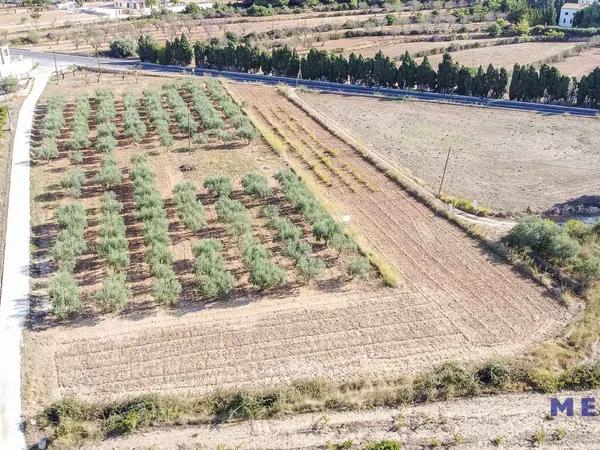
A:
(64, 60)
(15, 282)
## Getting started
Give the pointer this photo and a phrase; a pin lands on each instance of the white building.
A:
(568, 10)
(131, 4)
(18, 68)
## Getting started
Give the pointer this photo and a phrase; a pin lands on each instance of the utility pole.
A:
(189, 133)
(444, 173)
(299, 77)
(55, 64)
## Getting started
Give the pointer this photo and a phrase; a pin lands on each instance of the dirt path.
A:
(15, 284)
(514, 419)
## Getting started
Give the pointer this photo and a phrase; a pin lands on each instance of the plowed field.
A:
(453, 301)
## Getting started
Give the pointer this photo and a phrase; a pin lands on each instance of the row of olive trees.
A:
(288, 234)
(75, 178)
(80, 129)
(134, 127)
(110, 174)
(113, 246)
(244, 128)
(324, 228)
(209, 116)
(180, 111)
(256, 257)
(70, 244)
(189, 208)
(215, 280)
(150, 210)
(52, 125)
(158, 116)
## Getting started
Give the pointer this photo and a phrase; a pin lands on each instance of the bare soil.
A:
(582, 64)
(513, 418)
(506, 55)
(506, 160)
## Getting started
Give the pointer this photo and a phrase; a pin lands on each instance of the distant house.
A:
(13, 67)
(131, 4)
(568, 10)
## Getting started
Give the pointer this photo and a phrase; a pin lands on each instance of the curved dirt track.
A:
(453, 302)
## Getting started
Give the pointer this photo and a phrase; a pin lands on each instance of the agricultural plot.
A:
(508, 160)
(507, 55)
(582, 64)
(229, 232)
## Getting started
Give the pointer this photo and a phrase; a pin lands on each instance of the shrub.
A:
(386, 444)
(215, 280)
(167, 289)
(494, 29)
(210, 117)
(181, 112)
(122, 48)
(341, 243)
(218, 185)
(190, 209)
(46, 151)
(64, 294)
(256, 185)
(134, 126)
(70, 243)
(9, 85)
(447, 381)
(587, 268)
(73, 181)
(542, 237)
(584, 376)
(360, 267)
(113, 294)
(578, 230)
(110, 174)
(310, 268)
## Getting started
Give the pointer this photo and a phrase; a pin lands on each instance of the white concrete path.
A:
(14, 300)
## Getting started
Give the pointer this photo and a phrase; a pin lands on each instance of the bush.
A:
(73, 181)
(167, 289)
(494, 29)
(543, 238)
(447, 381)
(110, 174)
(218, 185)
(578, 230)
(190, 209)
(310, 268)
(360, 267)
(386, 444)
(215, 280)
(113, 294)
(587, 268)
(64, 294)
(122, 48)
(9, 85)
(584, 376)
(256, 185)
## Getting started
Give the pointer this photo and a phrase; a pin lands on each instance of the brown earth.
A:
(506, 55)
(582, 64)
(514, 418)
(506, 160)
